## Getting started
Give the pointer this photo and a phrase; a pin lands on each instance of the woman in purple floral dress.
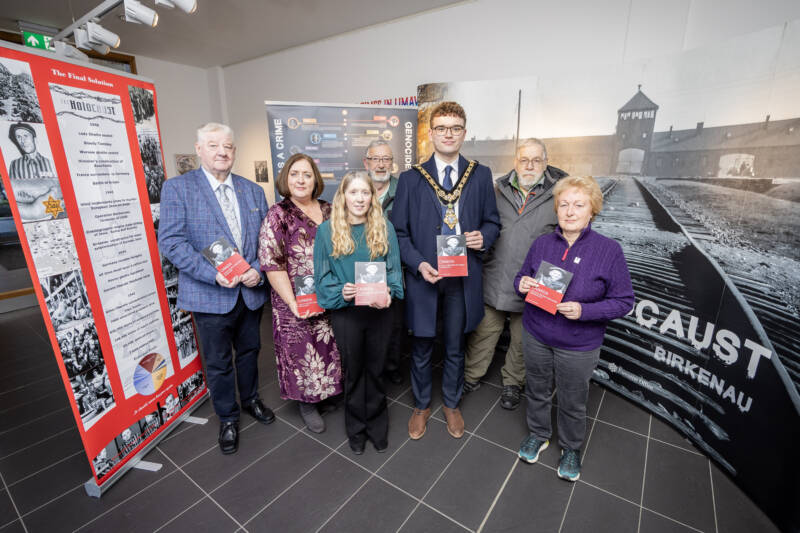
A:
(309, 366)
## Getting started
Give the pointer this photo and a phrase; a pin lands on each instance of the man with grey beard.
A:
(525, 202)
(379, 162)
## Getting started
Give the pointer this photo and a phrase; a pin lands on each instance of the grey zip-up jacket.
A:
(505, 258)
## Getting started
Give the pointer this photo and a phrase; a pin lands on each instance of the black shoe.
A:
(394, 376)
(510, 397)
(260, 412)
(471, 387)
(381, 447)
(357, 446)
(229, 437)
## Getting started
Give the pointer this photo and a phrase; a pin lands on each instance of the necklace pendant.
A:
(450, 216)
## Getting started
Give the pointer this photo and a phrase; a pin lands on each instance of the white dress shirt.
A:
(440, 166)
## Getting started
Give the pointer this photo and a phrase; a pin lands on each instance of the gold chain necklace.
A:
(448, 198)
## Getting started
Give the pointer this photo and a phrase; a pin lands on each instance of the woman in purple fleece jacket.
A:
(567, 345)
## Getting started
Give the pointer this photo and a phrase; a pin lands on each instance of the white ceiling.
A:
(222, 32)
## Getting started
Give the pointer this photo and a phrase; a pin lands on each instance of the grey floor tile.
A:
(426, 519)
(596, 394)
(307, 505)
(376, 507)
(250, 491)
(50, 483)
(12, 418)
(36, 430)
(29, 460)
(735, 511)
(678, 485)
(212, 468)
(398, 435)
(474, 406)
(468, 487)
(204, 515)
(614, 461)
(7, 512)
(40, 388)
(620, 412)
(75, 508)
(533, 495)
(407, 397)
(664, 432)
(13, 527)
(334, 434)
(150, 508)
(504, 427)
(594, 510)
(654, 523)
(417, 464)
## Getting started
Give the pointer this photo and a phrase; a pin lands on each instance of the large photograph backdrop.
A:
(337, 135)
(82, 165)
(699, 158)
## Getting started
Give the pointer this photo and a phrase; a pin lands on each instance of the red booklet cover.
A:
(552, 284)
(223, 255)
(451, 254)
(306, 296)
(370, 282)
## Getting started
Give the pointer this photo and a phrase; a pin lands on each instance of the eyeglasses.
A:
(384, 159)
(524, 161)
(455, 130)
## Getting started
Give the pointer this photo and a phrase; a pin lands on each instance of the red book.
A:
(552, 284)
(370, 282)
(306, 296)
(223, 255)
(451, 255)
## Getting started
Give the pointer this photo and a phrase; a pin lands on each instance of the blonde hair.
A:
(375, 231)
(586, 184)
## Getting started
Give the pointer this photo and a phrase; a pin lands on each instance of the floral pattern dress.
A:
(309, 365)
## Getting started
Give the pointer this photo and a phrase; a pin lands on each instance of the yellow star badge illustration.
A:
(53, 206)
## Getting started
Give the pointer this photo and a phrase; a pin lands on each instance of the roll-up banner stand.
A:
(336, 136)
(82, 165)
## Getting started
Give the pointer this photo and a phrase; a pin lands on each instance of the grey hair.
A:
(213, 127)
(532, 141)
(375, 144)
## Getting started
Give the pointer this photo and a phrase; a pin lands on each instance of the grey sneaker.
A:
(510, 397)
(569, 467)
(311, 417)
(531, 448)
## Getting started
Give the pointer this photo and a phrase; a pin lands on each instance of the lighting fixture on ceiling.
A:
(65, 50)
(139, 13)
(187, 6)
(100, 35)
(82, 41)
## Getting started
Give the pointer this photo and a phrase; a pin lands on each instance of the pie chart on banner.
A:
(150, 373)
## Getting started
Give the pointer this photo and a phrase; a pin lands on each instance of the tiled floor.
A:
(639, 474)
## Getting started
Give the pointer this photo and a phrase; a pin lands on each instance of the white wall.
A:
(474, 40)
(187, 98)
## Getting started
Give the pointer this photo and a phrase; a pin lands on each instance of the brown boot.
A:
(455, 422)
(418, 423)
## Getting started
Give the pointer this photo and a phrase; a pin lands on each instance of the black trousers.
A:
(397, 336)
(362, 335)
(239, 328)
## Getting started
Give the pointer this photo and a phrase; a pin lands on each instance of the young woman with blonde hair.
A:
(358, 231)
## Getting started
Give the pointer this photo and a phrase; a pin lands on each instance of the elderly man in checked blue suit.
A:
(197, 208)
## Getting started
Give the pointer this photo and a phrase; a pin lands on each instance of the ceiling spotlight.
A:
(139, 13)
(187, 6)
(82, 41)
(101, 36)
(65, 50)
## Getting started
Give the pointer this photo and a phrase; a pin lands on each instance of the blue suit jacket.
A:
(417, 218)
(191, 219)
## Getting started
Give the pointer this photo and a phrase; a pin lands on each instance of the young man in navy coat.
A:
(445, 195)
(197, 208)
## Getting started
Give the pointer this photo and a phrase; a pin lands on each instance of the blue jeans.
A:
(240, 329)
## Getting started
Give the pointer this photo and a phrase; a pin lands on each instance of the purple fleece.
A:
(600, 283)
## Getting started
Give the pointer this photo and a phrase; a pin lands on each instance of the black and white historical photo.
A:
(66, 298)
(553, 277)
(261, 171)
(106, 459)
(189, 388)
(169, 407)
(34, 160)
(149, 424)
(80, 348)
(451, 245)
(93, 395)
(185, 339)
(129, 439)
(18, 99)
(150, 149)
(219, 251)
(169, 271)
(370, 272)
(304, 285)
(143, 104)
(52, 247)
(186, 163)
